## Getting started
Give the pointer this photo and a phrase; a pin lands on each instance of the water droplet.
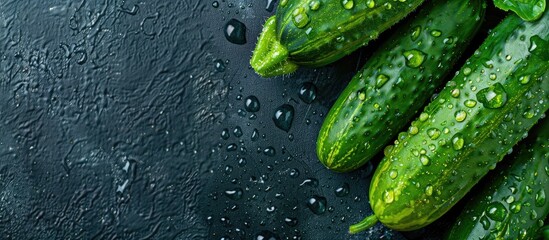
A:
(242, 162)
(381, 80)
(255, 135)
(533, 214)
(415, 32)
(307, 92)
(215, 4)
(313, 182)
(448, 40)
(470, 103)
(300, 17)
(348, 4)
(361, 95)
(237, 132)
(493, 97)
(529, 114)
(225, 134)
(377, 106)
(270, 5)
(423, 117)
(460, 115)
(269, 151)
(457, 142)
(467, 71)
(219, 65)
(424, 160)
(342, 191)
(496, 211)
(317, 204)
(251, 103)
(314, 5)
(283, 3)
(284, 116)
(370, 3)
(540, 198)
(414, 58)
(292, 222)
(235, 32)
(485, 222)
(413, 130)
(433, 133)
(388, 196)
(455, 92)
(393, 174)
(493, 76)
(265, 234)
(232, 147)
(429, 190)
(436, 33)
(524, 79)
(515, 207)
(388, 149)
(234, 194)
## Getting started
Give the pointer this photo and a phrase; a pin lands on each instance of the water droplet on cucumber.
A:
(460, 115)
(314, 5)
(414, 58)
(415, 32)
(381, 80)
(492, 97)
(388, 196)
(496, 211)
(348, 4)
(300, 17)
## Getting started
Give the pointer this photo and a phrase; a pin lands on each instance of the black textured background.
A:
(111, 118)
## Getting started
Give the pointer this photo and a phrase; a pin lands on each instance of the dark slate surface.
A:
(111, 117)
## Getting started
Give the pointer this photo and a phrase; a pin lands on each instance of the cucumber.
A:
(511, 204)
(544, 234)
(314, 33)
(496, 97)
(395, 82)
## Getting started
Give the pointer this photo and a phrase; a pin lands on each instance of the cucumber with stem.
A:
(314, 33)
(496, 97)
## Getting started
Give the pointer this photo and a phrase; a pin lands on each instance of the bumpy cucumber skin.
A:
(367, 114)
(423, 175)
(334, 31)
(518, 191)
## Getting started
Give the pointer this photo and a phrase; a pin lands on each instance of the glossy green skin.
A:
(367, 115)
(406, 194)
(518, 182)
(354, 27)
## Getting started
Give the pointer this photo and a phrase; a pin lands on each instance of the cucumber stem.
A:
(366, 223)
(270, 57)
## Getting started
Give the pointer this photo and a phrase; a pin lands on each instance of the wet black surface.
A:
(128, 120)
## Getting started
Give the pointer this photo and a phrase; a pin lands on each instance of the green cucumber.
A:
(489, 105)
(544, 233)
(511, 204)
(315, 33)
(396, 82)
